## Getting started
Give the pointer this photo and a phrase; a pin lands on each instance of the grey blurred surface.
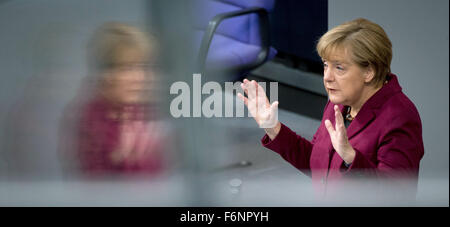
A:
(43, 61)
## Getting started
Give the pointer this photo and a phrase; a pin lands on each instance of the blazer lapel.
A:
(367, 112)
(361, 120)
(365, 116)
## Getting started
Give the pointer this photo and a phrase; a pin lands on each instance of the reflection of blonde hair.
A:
(115, 44)
(366, 42)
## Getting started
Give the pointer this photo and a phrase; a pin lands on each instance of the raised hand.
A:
(264, 113)
(127, 140)
(339, 137)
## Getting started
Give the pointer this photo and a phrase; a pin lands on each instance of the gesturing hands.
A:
(137, 140)
(266, 116)
(339, 137)
(264, 113)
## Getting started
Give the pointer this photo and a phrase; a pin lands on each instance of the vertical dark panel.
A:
(296, 26)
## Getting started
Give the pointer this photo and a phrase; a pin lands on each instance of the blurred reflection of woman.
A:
(118, 130)
(369, 129)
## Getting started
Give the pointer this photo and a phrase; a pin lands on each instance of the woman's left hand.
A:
(339, 137)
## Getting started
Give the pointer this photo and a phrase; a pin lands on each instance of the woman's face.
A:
(128, 84)
(343, 79)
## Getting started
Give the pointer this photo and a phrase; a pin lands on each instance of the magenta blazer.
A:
(98, 136)
(386, 135)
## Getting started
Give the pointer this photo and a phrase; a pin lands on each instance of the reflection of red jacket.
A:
(99, 135)
(386, 134)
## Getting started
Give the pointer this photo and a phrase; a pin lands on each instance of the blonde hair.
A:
(116, 44)
(367, 43)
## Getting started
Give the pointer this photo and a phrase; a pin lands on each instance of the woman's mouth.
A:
(332, 90)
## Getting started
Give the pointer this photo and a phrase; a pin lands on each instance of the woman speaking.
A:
(369, 130)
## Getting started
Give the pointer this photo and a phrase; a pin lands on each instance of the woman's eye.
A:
(339, 68)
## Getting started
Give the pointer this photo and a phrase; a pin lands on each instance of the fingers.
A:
(274, 113)
(244, 86)
(274, 105)
(329, 127)
(248, 85)
(340, 127)
(244, 99)
(252, 89)
(256, 96)
(249, 88)
(262, 94)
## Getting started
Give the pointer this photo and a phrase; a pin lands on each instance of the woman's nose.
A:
(328, 75)
(139, 75)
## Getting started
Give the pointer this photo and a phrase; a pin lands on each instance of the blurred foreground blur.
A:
(116, 128)
(84, 118)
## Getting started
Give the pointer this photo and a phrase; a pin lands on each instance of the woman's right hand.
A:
(264, 113)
